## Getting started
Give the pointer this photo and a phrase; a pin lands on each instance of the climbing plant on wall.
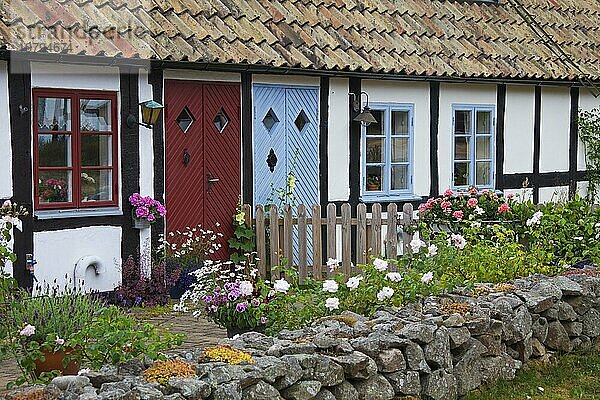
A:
(589, 131)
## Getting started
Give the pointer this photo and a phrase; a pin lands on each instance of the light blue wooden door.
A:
(286, 139)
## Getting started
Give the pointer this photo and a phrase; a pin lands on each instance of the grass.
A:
(570, 377)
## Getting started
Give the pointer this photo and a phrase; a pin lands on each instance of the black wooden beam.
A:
(130, 158)
(501, 109)
(573, 141)
(155, 78)
(434, 123)
(19, 89)
(247, 148)
(355, 134)
(537, 121)
(323, 142)
(546, 179)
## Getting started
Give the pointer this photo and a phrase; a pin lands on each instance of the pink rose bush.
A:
(146, 208)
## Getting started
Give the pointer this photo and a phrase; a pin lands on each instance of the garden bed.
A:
(440, 348)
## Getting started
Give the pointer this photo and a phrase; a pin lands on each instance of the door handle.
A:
(210, 180)
(186, 157)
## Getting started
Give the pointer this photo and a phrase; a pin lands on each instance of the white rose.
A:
(380, 265)
(416, 245)
(281, 285)
(393, 276)
(354, 282)
(332, 303)
(246, 288)
(385, 293)
(432, 250)
(428, 277)
(330, 286)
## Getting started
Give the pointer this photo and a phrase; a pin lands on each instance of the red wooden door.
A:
(203, 156)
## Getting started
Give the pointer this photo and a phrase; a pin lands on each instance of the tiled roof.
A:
(411, 37)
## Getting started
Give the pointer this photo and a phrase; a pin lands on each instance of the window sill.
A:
(390, 199)
(77, 213)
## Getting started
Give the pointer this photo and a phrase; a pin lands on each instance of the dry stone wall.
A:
(440, 349)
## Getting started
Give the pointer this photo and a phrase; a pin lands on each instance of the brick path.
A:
(199, 333)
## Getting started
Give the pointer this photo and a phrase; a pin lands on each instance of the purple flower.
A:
(207, 299)
(142, 212)
(241, 307)
(263, 320)
(212, 308)
(150, 217)
(233, 295)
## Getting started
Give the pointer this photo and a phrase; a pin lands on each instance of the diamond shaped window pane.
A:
(270, 120)
(221, 120)
(185, 119)
(301, 120)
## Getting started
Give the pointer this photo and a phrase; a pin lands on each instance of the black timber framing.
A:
(500, 112)
(573, 140)
(19, 89)
(323, 141)
(130, 157)
(247, 144)
(537, 121)
(155, 78)
(434, 123)
(355, 87)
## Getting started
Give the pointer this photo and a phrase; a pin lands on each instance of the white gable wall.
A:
(586, 102)
(5, 141)
(518, 129)
(417, 94)
(338, 141)
(555, 126)
(451, 93)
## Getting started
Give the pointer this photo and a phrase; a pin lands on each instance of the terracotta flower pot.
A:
(372, 188)
(54, 361)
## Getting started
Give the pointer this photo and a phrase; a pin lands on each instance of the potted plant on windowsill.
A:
(145, 210)
(373, 183)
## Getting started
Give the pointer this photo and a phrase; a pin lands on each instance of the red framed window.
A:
(75, 149)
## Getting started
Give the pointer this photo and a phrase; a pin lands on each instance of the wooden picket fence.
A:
(362, 235)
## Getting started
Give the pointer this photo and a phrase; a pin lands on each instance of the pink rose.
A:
(472, 202)
(458, 214)
(504, 208)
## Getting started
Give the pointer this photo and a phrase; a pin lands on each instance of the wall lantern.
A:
(364, 117)
(150, 112)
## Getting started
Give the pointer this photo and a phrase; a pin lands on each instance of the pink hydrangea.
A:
(504, 208)
(472, 202)
(458, 214)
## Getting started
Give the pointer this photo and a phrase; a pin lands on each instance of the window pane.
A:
(96, 185)
(484, 122)
(483, 173)
(55, 186)
(95, 115)
(54, 150)
(375, 149)
(483, 148)
(400, 123)
(462, 122)
(462, 174)
(374, 178)
(400, 178)
(96, 150)
(376, 128)
(54, 114)
(400, 149)
(462, 148)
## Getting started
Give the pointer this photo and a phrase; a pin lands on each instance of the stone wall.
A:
(440, 349)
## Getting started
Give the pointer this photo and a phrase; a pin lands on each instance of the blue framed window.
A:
(473, 156)
(387, 147)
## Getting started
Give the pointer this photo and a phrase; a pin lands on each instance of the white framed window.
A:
(473, 150)
(387, 153)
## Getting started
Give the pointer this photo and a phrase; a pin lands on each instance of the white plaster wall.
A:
(558, 193)
(554, 133)
(521, 194)
(188, 74)
(518, 129)
(338, 145)
(146, 170)
(454, 93)
(74, 76)
(5, 141)
(286, 80)
(417, 94)
(587, 102)
(57, 253)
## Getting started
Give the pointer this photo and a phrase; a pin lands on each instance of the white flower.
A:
(354, 282)
(428, 277)
(479, 211)
(281, 285)
(253, 273)
(432, 250)
(6, 204)
(385, 293)
(330, 286)
(458, 240)
(28, 330)
(578, 238)
(417, 244)
(332, 303)
(535, 219)
(380, 265)
(59, 341)
(332, 263)
(246, 288)
(393, 276)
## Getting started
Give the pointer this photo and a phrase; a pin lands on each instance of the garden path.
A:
(199, 333)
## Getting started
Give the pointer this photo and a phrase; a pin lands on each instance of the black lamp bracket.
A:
(356, 100)
(132, 121)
